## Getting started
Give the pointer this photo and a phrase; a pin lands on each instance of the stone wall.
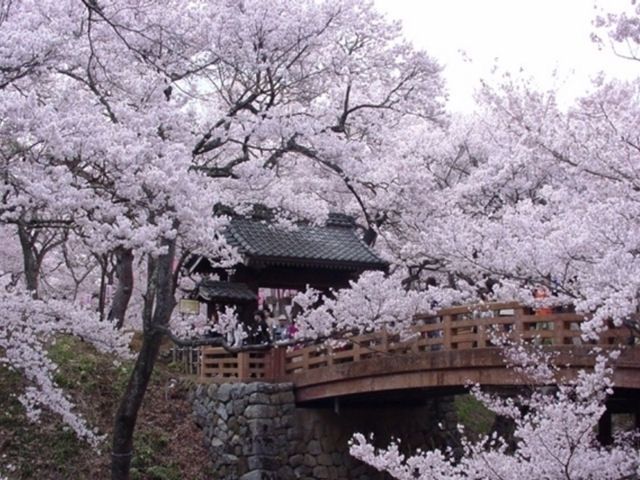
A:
(255, 431)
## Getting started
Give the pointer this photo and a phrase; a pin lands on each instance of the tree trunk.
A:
(124, 273)
(30, 260)
(160, 288)
(102, 294)
(370, 236)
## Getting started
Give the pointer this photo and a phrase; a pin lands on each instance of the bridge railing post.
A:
(275, 365)
(305, 359)
(518, 323)
(558, 331)
(481, 333)
(243, 366)
(384, 341)
(415, 343)
(446, 332)
(356, 351)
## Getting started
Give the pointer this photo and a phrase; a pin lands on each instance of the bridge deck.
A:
(447, 350)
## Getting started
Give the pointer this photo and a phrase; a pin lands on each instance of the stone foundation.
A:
(255, 431)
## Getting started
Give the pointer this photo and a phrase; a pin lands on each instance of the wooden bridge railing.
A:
(459, 328)
(217, 363)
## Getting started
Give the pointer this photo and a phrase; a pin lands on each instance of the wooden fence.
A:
(459, 328)
(217, 362)
(186, 360)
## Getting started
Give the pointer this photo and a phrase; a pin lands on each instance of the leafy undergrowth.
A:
(477, 419)
(168, 445)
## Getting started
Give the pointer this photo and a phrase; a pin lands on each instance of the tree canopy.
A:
(124, 125)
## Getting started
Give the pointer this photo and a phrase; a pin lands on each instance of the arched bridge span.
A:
(448, 351)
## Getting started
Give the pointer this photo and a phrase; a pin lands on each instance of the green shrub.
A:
(473, 415)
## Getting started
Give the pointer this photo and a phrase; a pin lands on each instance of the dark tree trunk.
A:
(370, 236)
(124, 273)
(102, 294)
(505, 427)
(30, 259)
(160, 294)
(605, 429)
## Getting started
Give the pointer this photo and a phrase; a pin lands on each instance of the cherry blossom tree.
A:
(27, 327)
(554, 431)
(125, 125)
(622, 29)
(543, 196)
(126, 122)
(554, 202)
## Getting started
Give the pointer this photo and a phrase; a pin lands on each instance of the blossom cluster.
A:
(27, 328)
(554, 434)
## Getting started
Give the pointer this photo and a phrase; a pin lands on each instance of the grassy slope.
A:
(474, 416)
(168, 446)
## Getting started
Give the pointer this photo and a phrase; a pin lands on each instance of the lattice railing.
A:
(216, 362)
(459, 328)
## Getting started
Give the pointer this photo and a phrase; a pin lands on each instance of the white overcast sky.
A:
(536, 37)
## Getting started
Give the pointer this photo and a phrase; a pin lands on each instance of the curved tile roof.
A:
(335, 246)
(231, 291)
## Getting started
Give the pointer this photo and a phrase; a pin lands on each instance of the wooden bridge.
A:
(447, 351)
